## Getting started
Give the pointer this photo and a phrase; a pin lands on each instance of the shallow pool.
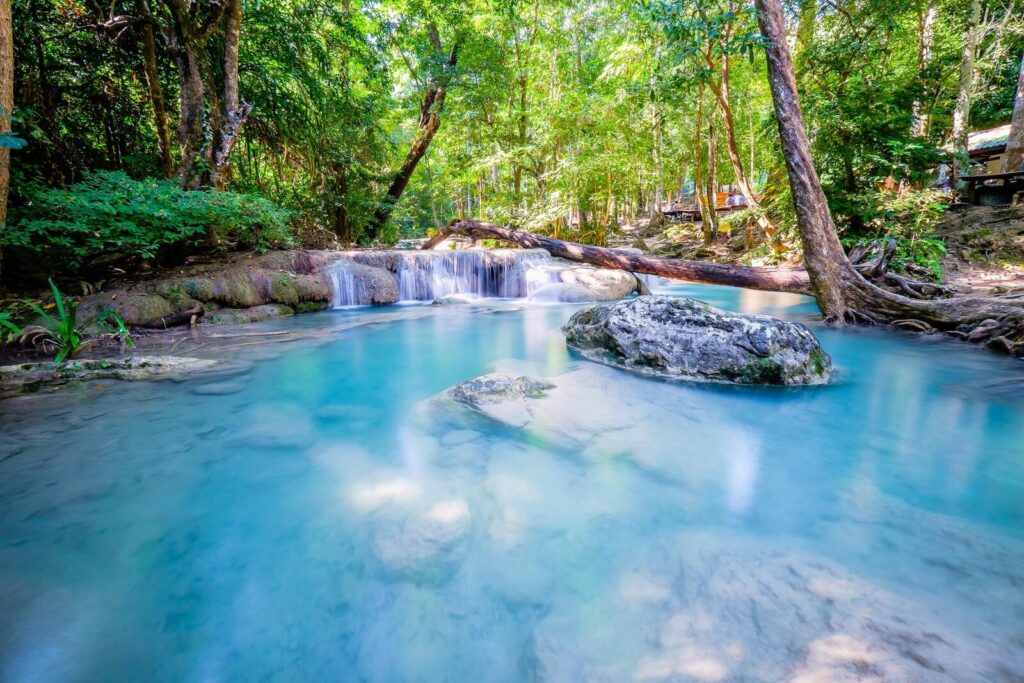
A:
(317, 516)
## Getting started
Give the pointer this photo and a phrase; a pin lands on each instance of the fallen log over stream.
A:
(995, 323)
(794, 280)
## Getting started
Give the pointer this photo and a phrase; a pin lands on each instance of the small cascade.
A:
(507, 274)
(347, 290)
(430, 275)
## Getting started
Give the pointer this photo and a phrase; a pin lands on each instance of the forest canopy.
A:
(333, 122)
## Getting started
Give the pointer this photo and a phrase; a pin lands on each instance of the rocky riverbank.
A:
(282, 283)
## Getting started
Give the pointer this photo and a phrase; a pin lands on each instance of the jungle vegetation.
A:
(141, 131)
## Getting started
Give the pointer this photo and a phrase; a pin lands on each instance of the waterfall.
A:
(429, 275)
(346, 289)
(425, 276)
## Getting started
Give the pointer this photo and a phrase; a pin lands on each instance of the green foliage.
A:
(68, 333)
(6, 323)
(109, 214)
(564, 118)
(909, 218)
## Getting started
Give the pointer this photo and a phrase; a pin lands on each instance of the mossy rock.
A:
(678, 338)
(253, 314)
(135, 308)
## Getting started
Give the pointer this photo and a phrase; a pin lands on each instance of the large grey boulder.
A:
(687, 339)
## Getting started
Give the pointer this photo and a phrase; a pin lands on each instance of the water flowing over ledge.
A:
(356, 278)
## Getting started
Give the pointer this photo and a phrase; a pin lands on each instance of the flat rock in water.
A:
(679, 338)
(30, 377)
(500, 397)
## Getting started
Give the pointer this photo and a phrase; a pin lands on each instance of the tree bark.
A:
(430, 121)
(841, 292)
(234, 113)
(711, 190)
(721, 91)
(926, 37)
(209, 121)
(156, 93)
(1015, 144)
(7, 106)
(191, 114)
(965, 91)
(793, 280)
(698, 172)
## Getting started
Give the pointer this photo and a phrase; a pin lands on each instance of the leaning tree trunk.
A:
(841, 292)
(430, 121)
(1015, 144)
(721, 92)
(792, 280)
(7, 106)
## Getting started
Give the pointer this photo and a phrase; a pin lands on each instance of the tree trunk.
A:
(721, 92)
(926, 37)
(659, 182)
(7, 107)
(711, 190)
(1015, 144)
(209, 122)
(342, 228)
(792, 280)
(233, 112)
(191, 131)
(156, 94)
(965, 91)
(841, 292)
(430, 121)
(698, 172)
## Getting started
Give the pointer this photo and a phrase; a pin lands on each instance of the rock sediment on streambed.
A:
(25, 378)
(282, 283)
(679, 338)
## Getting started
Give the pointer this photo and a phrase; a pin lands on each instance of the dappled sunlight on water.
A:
(318, 515)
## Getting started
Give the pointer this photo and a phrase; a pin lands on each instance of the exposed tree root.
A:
(877, 271)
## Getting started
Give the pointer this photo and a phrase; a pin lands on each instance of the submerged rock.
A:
(495, 388)
(500, 397)
(426, 547)
(31, 377)
(687, 339)
(253, 314)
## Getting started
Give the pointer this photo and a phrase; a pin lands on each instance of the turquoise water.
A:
(319, 517)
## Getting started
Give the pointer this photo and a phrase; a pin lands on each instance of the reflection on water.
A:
(318, 517)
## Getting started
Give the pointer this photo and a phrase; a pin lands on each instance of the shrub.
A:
(910, 218)
(110, 217)
(65, 333)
